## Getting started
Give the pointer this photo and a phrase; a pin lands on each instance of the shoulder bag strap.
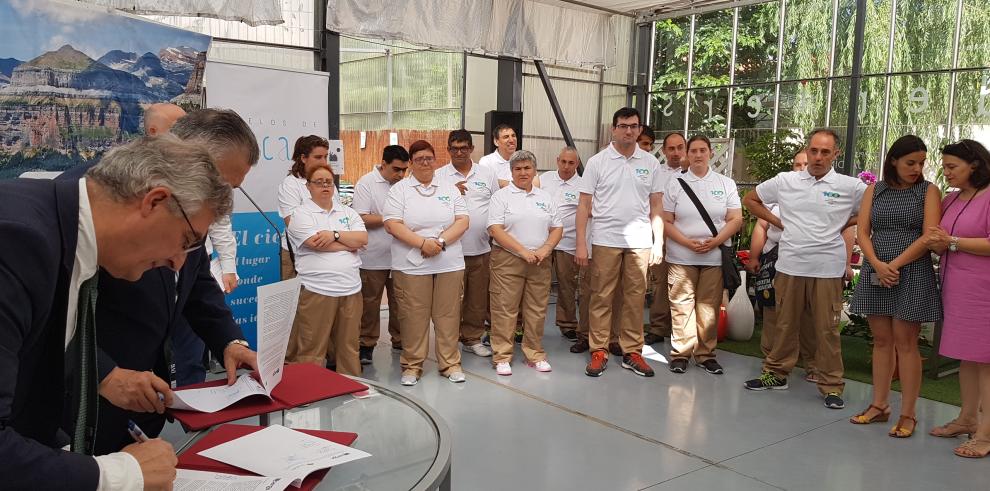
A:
(699, 206)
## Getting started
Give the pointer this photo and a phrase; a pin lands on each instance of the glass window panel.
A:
(712, 49)
(974, 40)
(876, 38)
(971, 113)
(671, 47)
(708, 112)
(870, 129)
(919, 105)
(923, 32)
(666, 112)
(802, 106)
(807, 39)
(756, 43)
(752, 113)
(844, 36)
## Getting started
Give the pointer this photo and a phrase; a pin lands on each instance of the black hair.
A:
(648, 132)
(700, 138)
(394, 152)
(827, 131)
(461, 136)
(977, 155)
(626, 112)
(902, 146)
(498, 130)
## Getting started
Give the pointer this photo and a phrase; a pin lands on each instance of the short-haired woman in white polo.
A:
(695, 262)
(427, 216)
(525, 227)
(326, 236)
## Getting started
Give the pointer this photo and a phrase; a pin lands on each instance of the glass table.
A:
(408, 441)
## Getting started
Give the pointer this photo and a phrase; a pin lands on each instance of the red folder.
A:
(190, 459)
(302, 383)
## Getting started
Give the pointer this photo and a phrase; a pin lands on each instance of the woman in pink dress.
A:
(963, 241)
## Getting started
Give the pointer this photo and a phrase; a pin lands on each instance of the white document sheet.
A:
(277, 304)
(280, 451)
(187, 480)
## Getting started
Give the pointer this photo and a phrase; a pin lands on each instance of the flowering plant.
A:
(867, 177)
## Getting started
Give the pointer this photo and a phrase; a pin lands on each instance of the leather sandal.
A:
(973, 449)
(882, 416)
(952, 430)
(899, 431)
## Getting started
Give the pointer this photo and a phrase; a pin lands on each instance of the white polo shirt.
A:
(565, 194)
(717, 194)
(481, 184)
(333, 274)
(292, 193)
(620, 191)
(370, 194)
(527, 217)
(428, 211)
(495, 162)
(813, 212)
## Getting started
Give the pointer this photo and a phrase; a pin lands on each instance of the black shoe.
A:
(834, 401)
(486, 339)
(711, 366)
(397, 347)
(678, 365)
(570, 334)
(580, 346)
(767, 381)
(615, 349)
(364, 354)
(519, 336)
(652, 339)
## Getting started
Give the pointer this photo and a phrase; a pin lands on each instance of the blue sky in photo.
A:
(29, 28)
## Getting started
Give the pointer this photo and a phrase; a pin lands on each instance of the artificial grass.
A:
(856, 355)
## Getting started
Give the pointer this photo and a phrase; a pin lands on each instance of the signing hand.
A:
(430, 248)
(136, 391)
(157, 460)
(229, 282)
(235, 356)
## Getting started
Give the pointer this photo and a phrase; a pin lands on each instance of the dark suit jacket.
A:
(39, 222)
(133, 321)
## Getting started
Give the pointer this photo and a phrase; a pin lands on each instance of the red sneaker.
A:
(636, 363)
(598, 361)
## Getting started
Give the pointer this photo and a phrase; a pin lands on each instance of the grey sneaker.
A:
(766, 381)
(456, 377)
(409, 380)
(479, 349)
(834, 401)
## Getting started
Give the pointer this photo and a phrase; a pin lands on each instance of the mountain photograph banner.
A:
(75, 80)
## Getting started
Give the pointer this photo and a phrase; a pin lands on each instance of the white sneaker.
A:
(479, 349)
(456, 377)
(541, 366)
(409, 380)
(503, 368)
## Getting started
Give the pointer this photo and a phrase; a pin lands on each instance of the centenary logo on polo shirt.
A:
(718, 195)
(480, 185)
(345, 221)
(643, 174)
(570, 197)
(543, 206)
(444, 199)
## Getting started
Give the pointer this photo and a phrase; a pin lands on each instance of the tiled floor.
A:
(564, 430)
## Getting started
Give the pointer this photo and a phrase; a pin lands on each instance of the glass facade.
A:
(785, 65)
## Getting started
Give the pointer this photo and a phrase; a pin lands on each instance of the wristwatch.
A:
(443, 243)
(336, 235)
(954, 244)
(240, 342)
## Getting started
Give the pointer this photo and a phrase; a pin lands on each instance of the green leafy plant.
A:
(772, 153)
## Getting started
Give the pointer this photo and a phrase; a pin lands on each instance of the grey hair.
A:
(129, 171)
(222, 130)
(827, 131)
(522, 156)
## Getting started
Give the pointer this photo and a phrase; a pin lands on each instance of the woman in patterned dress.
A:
(963, 241)
(897, 288)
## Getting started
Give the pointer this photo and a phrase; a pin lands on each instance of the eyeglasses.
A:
(322, 183)
(624, 127)
(459, 149)
(424, 160)
(199, 241)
